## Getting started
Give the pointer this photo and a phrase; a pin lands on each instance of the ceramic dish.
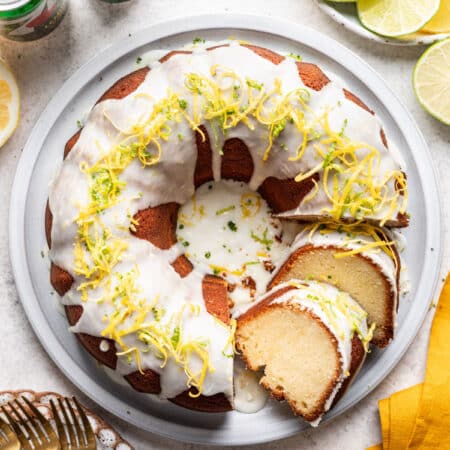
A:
(42, 156)
(345, 14)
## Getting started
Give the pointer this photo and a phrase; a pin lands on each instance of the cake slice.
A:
(309, 339)
(359, 260)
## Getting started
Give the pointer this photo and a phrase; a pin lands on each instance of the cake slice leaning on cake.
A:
(310, 341)
(359, 259)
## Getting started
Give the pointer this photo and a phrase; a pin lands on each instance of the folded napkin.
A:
(419, 417)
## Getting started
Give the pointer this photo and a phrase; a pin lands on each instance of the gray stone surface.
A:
(41, 68)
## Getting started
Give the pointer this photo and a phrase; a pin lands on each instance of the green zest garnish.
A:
(254, 84)
(158, 313)
(138, 60)
(295, 56)
(344, 126)
(232, 226)
(183, 103)
(328, 158)
(264, 240)
(198, 40)
(175, 338)
(208, 255)
(225, 210)
(236, 88)
(278, 128)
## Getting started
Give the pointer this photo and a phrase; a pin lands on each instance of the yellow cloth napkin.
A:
(418, 418)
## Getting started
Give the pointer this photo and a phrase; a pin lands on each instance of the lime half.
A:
(396, 17)
(431, 80)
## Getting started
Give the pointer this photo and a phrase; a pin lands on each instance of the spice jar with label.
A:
(27, 20)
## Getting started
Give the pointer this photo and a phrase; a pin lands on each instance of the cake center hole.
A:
(228, 230)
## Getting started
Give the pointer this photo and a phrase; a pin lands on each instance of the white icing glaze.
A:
(171, 180)
(249, 395)
(104, 345)
(321, 299)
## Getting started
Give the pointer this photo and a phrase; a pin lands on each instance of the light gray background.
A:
(90, 26)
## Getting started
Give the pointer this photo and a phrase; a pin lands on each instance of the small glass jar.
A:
(27, 20)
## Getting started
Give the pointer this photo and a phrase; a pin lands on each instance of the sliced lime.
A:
(396, 17)
(431, 80)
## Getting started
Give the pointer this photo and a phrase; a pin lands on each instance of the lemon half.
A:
(9, 103)
(431, 80)
(440, 23)
(395, 18)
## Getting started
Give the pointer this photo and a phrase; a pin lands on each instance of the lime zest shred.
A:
(264, 240)
(219, 212)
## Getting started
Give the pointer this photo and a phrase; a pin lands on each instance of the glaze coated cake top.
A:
(140, 152)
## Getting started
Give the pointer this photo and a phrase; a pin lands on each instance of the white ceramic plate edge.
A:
(286, 29)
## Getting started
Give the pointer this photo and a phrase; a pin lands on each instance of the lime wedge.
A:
(396, 17)
(431, 80)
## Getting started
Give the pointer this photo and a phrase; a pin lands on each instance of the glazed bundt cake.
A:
(360, 260)
(309, 339)
(172, 213)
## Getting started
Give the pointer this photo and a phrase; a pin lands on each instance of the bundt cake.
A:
(168, 217)
(361, 260)
(309, 338)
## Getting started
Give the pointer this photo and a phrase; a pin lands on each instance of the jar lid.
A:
(10, 5)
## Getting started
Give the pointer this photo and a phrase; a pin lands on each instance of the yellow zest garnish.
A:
(231, 339)
(352, 312)
(219, 269)
(313, 192)
(352, 170)
(364, 237)
(276, 110)
(250, 204)
(165, 338)
(197, 213)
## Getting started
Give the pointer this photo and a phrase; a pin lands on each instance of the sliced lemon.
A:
(9, 103)
(440, 23)
(431, 80)
(396, 17)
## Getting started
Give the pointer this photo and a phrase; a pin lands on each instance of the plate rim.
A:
(329, 9)
(246, 22)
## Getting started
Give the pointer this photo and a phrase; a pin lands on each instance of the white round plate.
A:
(42, 156)
(345, 14)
